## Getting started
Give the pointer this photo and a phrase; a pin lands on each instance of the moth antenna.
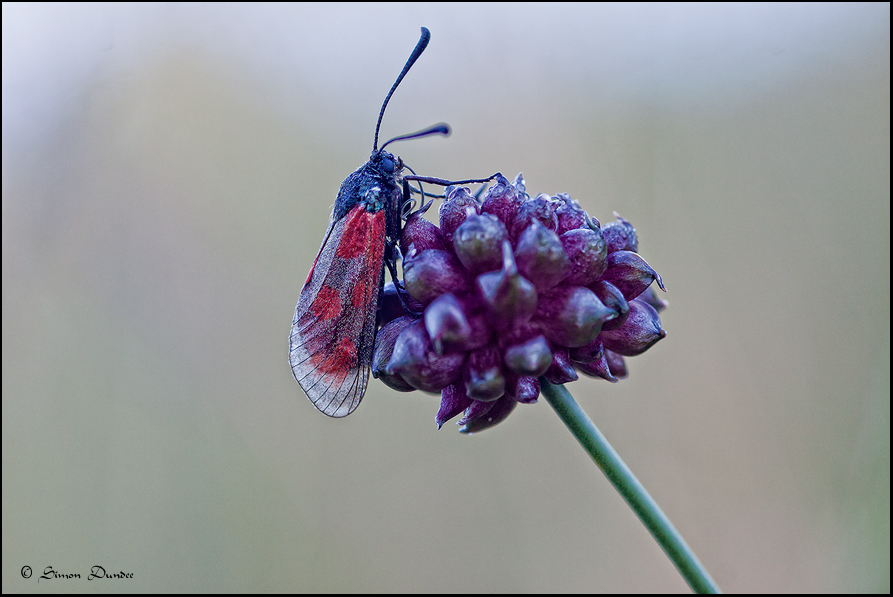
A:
(441, 128)
(419, 48)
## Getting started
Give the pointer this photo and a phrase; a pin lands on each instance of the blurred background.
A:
(168, 173)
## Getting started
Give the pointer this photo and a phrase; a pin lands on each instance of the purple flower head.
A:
(508, 290)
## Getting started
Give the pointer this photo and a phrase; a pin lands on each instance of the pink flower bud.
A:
(591, 360)
(421, 234)
(586, 251)
(384, 349)
(571, 315)
(529, 358)
(620, 236)
(431, 273)
(415, 360)
(446, 323)
(453, 400)
(483, 374)
(510, 298)
(521, 188)
(475, 421)
(638, 334)
(561, 370)
(540, 256)
(630, 273)
(613, 299)
(502, 200)
(478, 243)
(525, 389)
(458, 204)
(389, 305)
(541, 208)
(616, 364)
(571, 216)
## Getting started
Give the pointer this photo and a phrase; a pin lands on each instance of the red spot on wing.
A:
(355, 240)
(342, 358)
(359, 296)
(327, 304)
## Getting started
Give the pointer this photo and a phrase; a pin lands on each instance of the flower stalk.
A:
(657, 523)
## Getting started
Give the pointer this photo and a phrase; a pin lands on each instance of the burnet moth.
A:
(333, 330)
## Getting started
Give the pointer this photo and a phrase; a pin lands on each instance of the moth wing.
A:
(333, 331)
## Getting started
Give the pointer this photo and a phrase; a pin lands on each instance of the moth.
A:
(333, 330)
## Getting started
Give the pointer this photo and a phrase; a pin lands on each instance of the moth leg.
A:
(391, 253)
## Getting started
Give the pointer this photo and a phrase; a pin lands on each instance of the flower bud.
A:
(613, 299)
(421, 234)
(620, 236)
(510, 298)
(431, 273)
(525, 389)
(384, 349)
(455, 208)
(475, 421)
(520, 187)
(481, 330)
(502, 200)
(529, 358)
(571, 216)
(561, 370)
(597, 368)
(390, 306)
(446, 323)
(483, 375)
(571, 315)
(540, 256)
(452, 401)
(616, 364)
(591, 360)
(630, 273)
(587, 353)
(638, 334)
(541, 208)
(416, 362)
(477, 409)
(585, 248)
(478, 243)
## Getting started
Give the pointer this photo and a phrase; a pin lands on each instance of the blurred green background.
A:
(168, 173)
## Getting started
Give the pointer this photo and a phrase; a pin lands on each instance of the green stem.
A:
(629, 487)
